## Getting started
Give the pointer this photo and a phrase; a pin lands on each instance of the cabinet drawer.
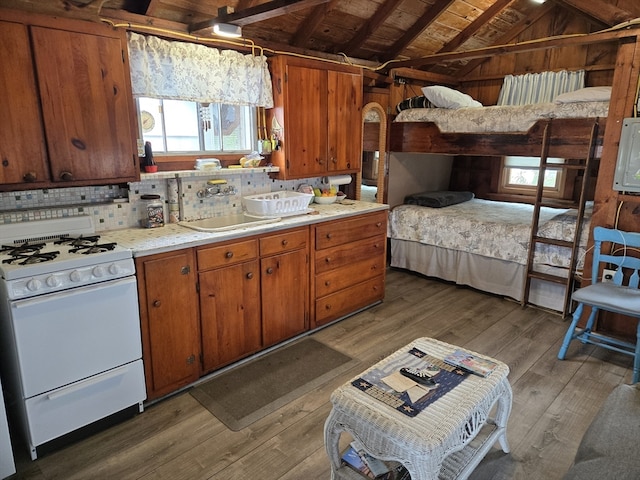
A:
(232, 253)
(356, 272)
(344, 231)
(284, 242)
(349, 253)
(349, 300)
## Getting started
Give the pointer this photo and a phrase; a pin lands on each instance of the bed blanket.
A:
(489, 228)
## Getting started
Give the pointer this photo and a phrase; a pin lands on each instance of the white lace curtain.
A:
(188, 71)
(538, 87)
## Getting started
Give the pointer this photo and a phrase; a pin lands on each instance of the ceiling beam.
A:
(370, 26)
(417, 28)
(476, 25)
(510, 34)
(603, 12)
(258, 13)
(532, 45)
(311, 23)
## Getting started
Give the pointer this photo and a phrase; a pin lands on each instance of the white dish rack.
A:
(277, 204)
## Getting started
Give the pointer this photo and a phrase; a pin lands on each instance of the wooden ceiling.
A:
(383, 33)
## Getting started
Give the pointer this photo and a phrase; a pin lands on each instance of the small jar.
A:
(153, 211)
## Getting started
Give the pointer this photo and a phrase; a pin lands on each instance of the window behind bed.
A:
(519, 175)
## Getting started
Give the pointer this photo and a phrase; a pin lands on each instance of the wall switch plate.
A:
(607, 275)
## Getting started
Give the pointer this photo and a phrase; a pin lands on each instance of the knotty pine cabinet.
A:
(229, 285)
(317, 117)
(66, 102)
(253, 294)
(348, 265)
(169, 321)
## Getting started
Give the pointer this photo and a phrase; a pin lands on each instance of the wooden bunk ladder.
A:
(583, 165)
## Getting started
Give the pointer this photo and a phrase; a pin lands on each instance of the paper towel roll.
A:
(340, 180)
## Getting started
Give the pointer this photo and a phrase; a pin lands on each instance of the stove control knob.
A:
(98, 271)
(75, 276)
(52, 281)
(33, 284)
(114, 269)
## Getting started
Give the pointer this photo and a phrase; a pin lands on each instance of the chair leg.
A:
(590, 321)
(636, 358)
(570, 335)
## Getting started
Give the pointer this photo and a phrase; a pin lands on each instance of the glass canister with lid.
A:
(152, 215)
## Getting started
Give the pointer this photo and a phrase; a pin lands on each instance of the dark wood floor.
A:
(554, 401)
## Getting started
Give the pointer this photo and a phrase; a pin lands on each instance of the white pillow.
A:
(445, 97)
(587, 94)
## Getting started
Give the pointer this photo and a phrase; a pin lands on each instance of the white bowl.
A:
(325, 200)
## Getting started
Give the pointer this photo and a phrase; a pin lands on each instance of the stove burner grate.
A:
(91, 249)
(30, 258)
(22, 249)
(78, 241)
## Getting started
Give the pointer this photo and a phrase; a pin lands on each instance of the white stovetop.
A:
(148, 241)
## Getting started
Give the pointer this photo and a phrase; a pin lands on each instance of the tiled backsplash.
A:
(113, 207)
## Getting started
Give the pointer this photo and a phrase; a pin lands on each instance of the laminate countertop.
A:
(173, 236)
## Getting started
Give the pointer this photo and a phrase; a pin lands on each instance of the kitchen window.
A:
(174, 126)
(520, 175)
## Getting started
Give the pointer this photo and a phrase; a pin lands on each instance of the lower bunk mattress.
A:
(484, 244)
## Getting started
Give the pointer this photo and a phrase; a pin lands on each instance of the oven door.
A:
(68, 336)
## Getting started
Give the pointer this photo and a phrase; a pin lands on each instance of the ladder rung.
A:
(564, 166)
(548, 277)
(553, 241)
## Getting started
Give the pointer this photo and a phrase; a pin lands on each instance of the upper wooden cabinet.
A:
(67, 103)
(316, 116)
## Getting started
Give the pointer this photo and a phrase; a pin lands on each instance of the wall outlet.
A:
(607, 275)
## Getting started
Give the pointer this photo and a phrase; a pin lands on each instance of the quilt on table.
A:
(508, 118)
(492, 229)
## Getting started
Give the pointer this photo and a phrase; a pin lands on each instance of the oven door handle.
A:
(82, 384)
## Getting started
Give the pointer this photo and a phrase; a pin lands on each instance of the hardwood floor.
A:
(554, 401)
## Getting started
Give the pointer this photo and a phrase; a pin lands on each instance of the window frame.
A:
(505, 187)
(252, 125)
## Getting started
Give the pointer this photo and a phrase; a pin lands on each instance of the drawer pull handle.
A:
(269, 270)
(327, 283)
(379, 224)
(229, 254)
(329, 236)
(327, 307)
(285, 243)
(327, 260)
(250, 275)
(157, 303)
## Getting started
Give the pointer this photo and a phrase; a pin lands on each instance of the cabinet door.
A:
(85, 104)
(305, 141)
(169, 313)
(284, 296)
(344, 121)
(23, 157)
(229, 313)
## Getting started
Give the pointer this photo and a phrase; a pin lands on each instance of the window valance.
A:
(188, 71)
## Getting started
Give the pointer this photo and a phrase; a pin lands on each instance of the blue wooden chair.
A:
(620, 295)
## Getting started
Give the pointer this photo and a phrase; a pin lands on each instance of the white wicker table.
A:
(443, 440)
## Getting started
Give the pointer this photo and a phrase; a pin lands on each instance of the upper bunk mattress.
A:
(508, 118)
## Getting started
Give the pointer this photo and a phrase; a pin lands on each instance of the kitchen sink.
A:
(230, 222)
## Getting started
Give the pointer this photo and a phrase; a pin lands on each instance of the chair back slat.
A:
(623, 256)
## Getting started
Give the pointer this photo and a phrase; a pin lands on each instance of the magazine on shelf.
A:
(365, 464)
(471, 363)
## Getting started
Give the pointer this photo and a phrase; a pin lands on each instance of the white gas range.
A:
(69, 329)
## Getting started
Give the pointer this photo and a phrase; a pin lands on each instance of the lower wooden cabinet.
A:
(206, 307)
(169, 321)
(229, 284)
(348, 265)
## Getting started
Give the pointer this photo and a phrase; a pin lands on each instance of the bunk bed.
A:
(481, 243)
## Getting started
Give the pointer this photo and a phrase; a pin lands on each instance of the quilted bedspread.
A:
(491, 229)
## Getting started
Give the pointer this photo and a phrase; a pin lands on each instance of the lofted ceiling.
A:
(381, 33)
